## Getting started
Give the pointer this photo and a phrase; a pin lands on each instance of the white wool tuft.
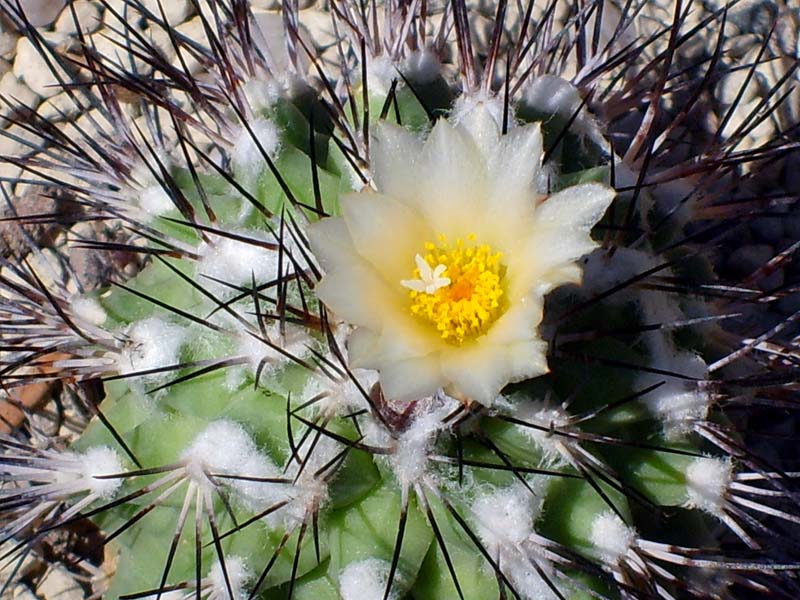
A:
(262, 94)
(375, 433)
(295, 341)
(677, 403)
(307, 496)
(412, 448)
(225, 447)
(245, 152)
(101, 461)
(679, 409)
(155, 201)
(544, 415)
(89, 310)
(146, 191)
(505, 516)
(238, 576)
(552, 95)
(237, 262)
(504, 520)
(257, 495)
(341, 396)
(471, 108)
(611, 537)
(152, 343)
(380, 74)
(365, 580)
(526, 579)
(309, 492)
(707, 482)
(423, 66)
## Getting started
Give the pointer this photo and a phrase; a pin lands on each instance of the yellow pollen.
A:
(466, 297)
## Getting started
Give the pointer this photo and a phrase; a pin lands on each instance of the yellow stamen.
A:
(470, 301)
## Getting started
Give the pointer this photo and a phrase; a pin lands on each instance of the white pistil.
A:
(430, 279)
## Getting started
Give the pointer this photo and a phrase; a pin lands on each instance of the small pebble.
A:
(23, 592)
(755, 16)
(731, 84)
(740, 45)
(34, 70)
(41, 12)
(58, 107)
(13, 90)
(8, 41)
(59, 584)
(758, 135)
(176, 10)
(161, 40)
(113, 47)
(787, 31)
(14, 146)
(194, 30)
(89, 17)
(9, 171)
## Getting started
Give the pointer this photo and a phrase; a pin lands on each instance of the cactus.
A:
(404, 326)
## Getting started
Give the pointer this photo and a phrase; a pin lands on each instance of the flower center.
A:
(457, 287)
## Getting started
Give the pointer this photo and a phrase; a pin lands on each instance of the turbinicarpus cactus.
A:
(395, 334)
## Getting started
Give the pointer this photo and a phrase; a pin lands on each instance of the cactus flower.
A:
(443, 263)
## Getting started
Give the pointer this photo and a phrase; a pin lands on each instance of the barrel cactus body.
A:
(420, 320)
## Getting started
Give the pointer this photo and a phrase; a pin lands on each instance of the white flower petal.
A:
(358, 294)
(520, 322)
(401, 337)
(579, 207)
(482, 371)
(386, 233)
(394, 152)
(411, 379)
(513, 170)
(479, 371)
(543, 257)
(511, 196)
(331, 243)
(483, 128)
(527, 359)
(452, 181)
(362, 346)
